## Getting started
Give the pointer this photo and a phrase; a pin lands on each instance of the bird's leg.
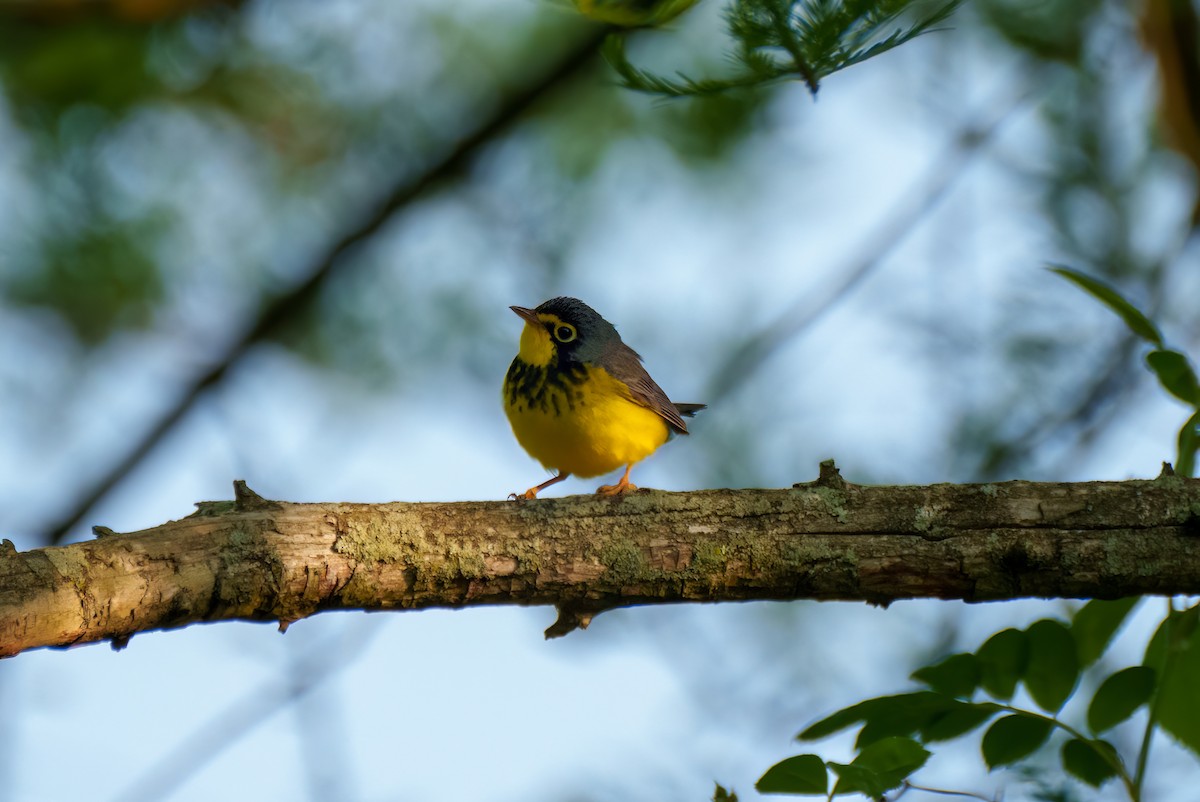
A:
(533, 491)
(622, 486)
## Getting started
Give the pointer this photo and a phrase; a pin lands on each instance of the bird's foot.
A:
(619, 489)
(532, 492)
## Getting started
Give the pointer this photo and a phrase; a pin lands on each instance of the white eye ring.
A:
(564, 332)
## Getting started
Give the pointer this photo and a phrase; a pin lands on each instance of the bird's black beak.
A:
(530, 316)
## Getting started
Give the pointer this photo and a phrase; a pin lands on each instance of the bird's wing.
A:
(688, 410)
(624, 364)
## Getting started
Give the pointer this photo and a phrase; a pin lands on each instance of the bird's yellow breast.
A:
(581, 422)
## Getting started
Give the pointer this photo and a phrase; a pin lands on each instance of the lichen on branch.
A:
(258, 560)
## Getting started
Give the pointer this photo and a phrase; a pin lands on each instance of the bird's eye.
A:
(564, 333)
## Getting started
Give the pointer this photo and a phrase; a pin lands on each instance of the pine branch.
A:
(258, 560)
(761, 71)
(807, 40)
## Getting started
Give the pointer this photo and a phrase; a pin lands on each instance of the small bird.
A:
(579, 400)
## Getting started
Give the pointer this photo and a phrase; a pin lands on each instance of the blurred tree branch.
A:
(258, 560)
(1170, 31)
(158, 780)
(66, 12)
(967, 143)
(290, 304)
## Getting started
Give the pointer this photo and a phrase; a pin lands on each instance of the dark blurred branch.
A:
(915, 205)
(1080, 417)
(258, 560)
(72, 12)
(162, 778)
(1171, 32)
(1088, 407)
(290, 305)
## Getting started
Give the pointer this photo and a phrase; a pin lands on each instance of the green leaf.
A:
(1138, 323)
(1180, 625)
(1189, 442)
(1119, 696)
(1053, 668)
(957, 675)
(1014, 737)
(802, 774)
(1095, 624)
(889, 714)
(1084, 760)
(893, 758)
(857, 780)
(722, 794)
(902, 716)
(957, 720)
(1002, 661)
(100, 278)
(880, 767)
(836, 722)
(1175, 648)
(1175, 374)
(94, 62)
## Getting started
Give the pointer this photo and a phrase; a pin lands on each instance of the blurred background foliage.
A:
(857, 276)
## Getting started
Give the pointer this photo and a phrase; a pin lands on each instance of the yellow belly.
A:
(596, 430)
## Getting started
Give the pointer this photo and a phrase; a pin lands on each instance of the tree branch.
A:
(258, 560)
(286, 307)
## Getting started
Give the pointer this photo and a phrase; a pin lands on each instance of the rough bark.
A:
(258, 560)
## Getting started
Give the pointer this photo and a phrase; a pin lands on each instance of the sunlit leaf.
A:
(1095, 624)
(802, 774)
(1014, 737)
(1053, 668)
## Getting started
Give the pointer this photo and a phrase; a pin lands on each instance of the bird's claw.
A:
(619, 489)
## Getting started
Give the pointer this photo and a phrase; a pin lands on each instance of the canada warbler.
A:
(579, 400)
